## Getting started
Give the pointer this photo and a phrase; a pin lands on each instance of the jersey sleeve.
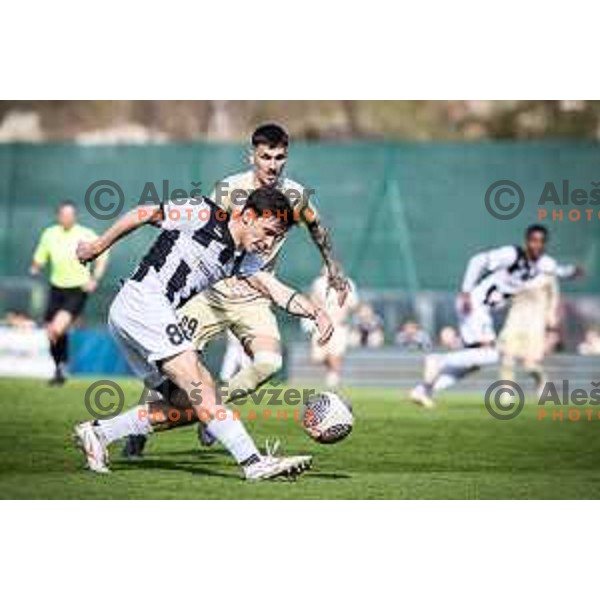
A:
(487, 262)
(221, 194)
(42, 251)
(549, 266)
(302, 200)
(186, 216)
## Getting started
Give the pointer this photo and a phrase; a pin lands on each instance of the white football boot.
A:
(420, 396)
(92, 447)
(271, 466)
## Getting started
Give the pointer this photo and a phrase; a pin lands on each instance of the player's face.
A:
(66, 216)
(269, 163)
(261, 234)
(536, 244)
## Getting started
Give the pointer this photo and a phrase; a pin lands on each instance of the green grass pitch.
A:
(395, 451)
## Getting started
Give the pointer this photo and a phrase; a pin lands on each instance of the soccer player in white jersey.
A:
(332, 353)
(491, 279)
(529, 329)
(198, 246)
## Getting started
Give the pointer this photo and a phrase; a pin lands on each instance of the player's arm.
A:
(89, 251)
(293, 302)
(100, 266)
(551, 267)
(322, 240)
(481, 264)
(40, 256)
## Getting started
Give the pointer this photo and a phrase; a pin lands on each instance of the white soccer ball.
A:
(327, 418)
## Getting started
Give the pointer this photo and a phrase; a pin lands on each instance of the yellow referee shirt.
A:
(58, 246)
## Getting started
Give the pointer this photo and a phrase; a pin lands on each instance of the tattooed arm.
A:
(337, 280)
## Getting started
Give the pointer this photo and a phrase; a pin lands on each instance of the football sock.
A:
(232, 434)
(60, 351)
(444, 380)
(332, 379)
(469, 358)
(264, 366)
(133, 422)
(507, 371)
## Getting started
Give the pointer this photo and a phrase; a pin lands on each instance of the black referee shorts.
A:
(71, 300)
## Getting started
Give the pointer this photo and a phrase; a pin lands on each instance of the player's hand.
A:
(91, 286)
(324, 326)
(341, 285)
(464, 303)
(85, 252)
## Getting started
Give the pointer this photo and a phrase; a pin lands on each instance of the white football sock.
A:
(332, 379)
(469, 358)
(444, 380)
(233, 435)
(132, 422)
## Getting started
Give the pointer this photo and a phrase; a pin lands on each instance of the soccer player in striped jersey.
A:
(198, 247)
(234, 305)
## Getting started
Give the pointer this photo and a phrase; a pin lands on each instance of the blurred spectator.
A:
(367, 328)
(591, 343)
(411, 337)
(449, 338)
(18, 320)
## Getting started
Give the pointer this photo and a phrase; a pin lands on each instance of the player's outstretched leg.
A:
(57, 331)
(266, 362)
(199, 403)
(444, 370)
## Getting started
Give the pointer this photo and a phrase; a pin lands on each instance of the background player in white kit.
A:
(197, 248)
(530, 330)
(332, 353)
(491, 279)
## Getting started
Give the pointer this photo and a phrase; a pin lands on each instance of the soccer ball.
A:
(327, 418)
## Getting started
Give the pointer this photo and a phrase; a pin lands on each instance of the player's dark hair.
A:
(66, 203)
(270, 201)
(271, 135)
(536, 229)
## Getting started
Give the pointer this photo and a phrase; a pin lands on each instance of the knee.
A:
(52, 333)
(267, 364)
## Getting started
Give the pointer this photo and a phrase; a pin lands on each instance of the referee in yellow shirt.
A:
(70, 281)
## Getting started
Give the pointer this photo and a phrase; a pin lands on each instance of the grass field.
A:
(396, 451)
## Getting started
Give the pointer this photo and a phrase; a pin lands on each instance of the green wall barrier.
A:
(403, 216)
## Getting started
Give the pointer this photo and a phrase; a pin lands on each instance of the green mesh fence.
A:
(403, 216)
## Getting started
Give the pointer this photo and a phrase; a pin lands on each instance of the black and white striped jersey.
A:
(494, 276)
(193, 251)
